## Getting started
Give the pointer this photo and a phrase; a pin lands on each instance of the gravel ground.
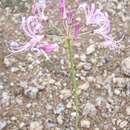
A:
(37, 96)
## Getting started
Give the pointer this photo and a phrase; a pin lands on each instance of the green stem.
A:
(73, 80)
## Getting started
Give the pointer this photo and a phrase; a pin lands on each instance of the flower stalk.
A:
(73, 80)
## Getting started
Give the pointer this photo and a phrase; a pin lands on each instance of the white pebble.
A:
(3, 124)
(128, 110)
(91, 49)
(85, 123)
(117, 92)
(36, 126)
(123, 124)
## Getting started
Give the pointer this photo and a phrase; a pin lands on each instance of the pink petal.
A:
(76, 30)
(24, 27)
(62, 9)
(25, 47)
(48, 48)
(31, 26)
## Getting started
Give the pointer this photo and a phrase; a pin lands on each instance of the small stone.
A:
(52, 81)
(66, 93)
(23, 84)
(3, 125)
(31, 92)
(91, 49)
(121, 82)
(13, 118)
(60, 119)
(85, 123)
(96, 129)
(50, 123)
(84, 86)
(36, 126)
(12, 84)
(118, 122)
(13, 44)
(100, 101)
(49, 107)
(5, 100)
(29, 105)
(83, 57)
(123, 124)
(60, 109)
(89, 108)
(87, 66)
(117, 92)
(14, 69)
(69, 104)
(125, 66)
(21, 125)
(1, 87)
(128, 110)
(73, 114)
(7, 62)
(102, 61)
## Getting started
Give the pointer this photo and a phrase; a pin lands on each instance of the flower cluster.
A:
(71, 24)
(93, 16)
(32, 26)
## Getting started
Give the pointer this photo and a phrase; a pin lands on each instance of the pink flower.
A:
(62, 9)
(96, 17)
(32, 27)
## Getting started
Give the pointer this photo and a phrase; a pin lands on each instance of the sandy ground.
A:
(38, 96)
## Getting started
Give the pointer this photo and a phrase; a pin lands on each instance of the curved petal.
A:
(21, 49)
(48, 48)
(62, 9)
(25, 28)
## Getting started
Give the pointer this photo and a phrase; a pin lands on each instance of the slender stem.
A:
(73, 80)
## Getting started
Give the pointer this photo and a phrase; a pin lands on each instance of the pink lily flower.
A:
(31, 26)
(96, 17)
